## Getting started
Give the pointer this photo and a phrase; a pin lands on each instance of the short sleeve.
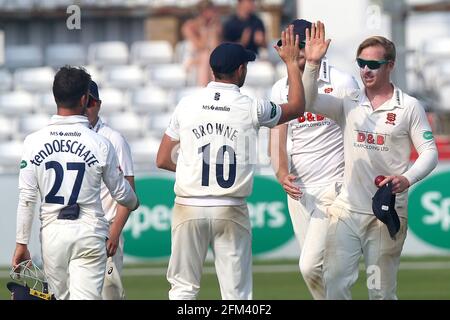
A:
(268, 113)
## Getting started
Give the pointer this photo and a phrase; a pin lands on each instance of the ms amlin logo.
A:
(429, 210)
(147, 232)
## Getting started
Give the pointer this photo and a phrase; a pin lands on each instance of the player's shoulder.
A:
(341, 79)
(407, 101)
(116, 137)
(280, 84)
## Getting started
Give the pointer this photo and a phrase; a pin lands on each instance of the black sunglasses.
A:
(371, 64)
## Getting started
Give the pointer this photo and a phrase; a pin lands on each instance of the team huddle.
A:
(81, 172)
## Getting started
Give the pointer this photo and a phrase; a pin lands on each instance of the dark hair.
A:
(69, 85)
(389, 46)
(223, 76)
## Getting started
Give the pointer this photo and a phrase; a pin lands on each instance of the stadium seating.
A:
(149, 100)
(58, 55)
(159, 122)
(5, 80)
(34, 79)
(11, 153)
(7, 128)
(168, 75)
(151, 52)
(108, 53)
(31, 123)
(144, 152)
(123, 77)
(26, 56)
(127, 123)
(113, 100)
(16, 103)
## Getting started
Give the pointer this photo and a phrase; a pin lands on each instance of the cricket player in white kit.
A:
(216, 131)
(317, 166)
(112, 287)
(63, 166)
(379, 123)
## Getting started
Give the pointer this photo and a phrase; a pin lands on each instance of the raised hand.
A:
(290, 49)
(316, 46)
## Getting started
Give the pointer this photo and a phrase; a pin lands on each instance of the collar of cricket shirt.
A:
(395, 101)
(100, 124)
(57, 119)
(222, 85)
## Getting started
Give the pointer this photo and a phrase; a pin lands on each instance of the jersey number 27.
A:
(51, 197)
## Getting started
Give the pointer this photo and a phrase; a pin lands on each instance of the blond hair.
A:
(389, 46)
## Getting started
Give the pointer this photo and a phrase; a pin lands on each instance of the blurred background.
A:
(147, 54)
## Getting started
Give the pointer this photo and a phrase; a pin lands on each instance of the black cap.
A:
(93, 90)
(227, 57)
(383, 206)
(300, 26)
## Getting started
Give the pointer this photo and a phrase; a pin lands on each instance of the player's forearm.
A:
(309, 78)
(295, 106)
(425, 163)
(25, 213)
(278, 151)
(119, 222)
(125, 195)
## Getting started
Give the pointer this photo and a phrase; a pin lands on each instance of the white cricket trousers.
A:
(226, 230)
(351, 235)
(74, 259)
(310, 223)
(113, 286)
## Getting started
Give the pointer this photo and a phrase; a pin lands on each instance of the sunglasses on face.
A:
(302, 44)
(371, 64)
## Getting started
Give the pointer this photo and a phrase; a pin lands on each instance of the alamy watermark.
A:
(73, 21)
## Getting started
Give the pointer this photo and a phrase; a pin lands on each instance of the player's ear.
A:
(84, 100)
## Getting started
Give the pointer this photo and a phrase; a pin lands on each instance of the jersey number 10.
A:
(224, 183)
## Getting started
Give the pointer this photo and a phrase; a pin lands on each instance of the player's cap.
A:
(227, 57)
(93, 90)
(300, 26)
(383, 206)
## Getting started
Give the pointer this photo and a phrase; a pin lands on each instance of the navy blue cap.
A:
(227, 57)
(21, 292)
(93, 90)
(300, 26)
(383, 206)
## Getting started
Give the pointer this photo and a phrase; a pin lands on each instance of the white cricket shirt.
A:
(317, 154)
(64, 163)
(125, 161)
(217, 129)
(376, 142)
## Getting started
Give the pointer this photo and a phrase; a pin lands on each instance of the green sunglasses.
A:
(371, 64)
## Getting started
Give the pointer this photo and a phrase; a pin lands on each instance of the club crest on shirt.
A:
(390, 118)
(328, 90)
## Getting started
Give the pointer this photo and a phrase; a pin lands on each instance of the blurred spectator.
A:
(245, 27)
(203, 33)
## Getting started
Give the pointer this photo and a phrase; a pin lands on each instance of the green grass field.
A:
(419, 278)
